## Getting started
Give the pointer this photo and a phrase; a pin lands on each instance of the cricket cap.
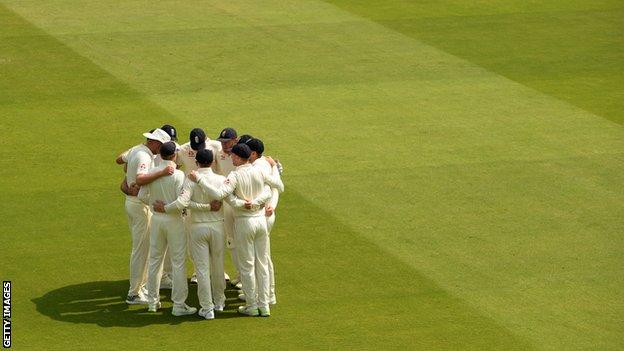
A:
(173, 133)
(204, 156)
(197, 139)
(167, 149)
(241, 150)
(158, 135)
(244, 139)
(227, 134)
(256, 145)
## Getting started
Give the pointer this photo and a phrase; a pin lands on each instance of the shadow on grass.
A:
(103, 303)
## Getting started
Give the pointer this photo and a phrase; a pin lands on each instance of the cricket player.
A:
(166, 282)
(186, 158)
(167, 234)
(250, 236)
(223, 165)
(257, 160)
(139, 161)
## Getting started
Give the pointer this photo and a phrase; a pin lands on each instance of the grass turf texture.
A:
(454, 173)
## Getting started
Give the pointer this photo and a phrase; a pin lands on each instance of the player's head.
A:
(168, 151)
(204, 158)
(155, 139)
(244, 139)
(257, 148)
(197, 139)
(169, 129)
(240, 154)
(228, 138)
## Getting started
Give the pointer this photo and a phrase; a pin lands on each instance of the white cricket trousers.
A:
(167, 234)
(139, 216)
(228, 214)
(252, 244)
(207, 245)
(270, 222)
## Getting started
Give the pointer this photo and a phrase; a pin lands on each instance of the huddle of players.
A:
(171, 212)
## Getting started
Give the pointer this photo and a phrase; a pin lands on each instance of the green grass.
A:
(454, 172)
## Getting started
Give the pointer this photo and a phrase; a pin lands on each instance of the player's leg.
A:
(261, 263)
(217, 247)
(228, 223)
(176, 238)
(272, 296)
(139, 221)
(243, 236)
(158, 245)
(165, 280)
(199, 247)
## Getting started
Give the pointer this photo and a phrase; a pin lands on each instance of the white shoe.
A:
(194, 279)
(227, 277)
(219, 308)
(183, 310)
(166, 283)
(208, 314)
(249, 311)
(153, 307)
(136, 299)
(242, 297)
(238, 285)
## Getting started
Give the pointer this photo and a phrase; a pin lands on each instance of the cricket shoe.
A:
(136, 299)
(219, 308)
(249, 311)
(264, 312)
(194, 279)
(208, 314)
(153, 307)
(226, 276)
(235, 281)
(183, 310)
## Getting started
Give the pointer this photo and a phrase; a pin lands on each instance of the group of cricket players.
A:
(198, 199)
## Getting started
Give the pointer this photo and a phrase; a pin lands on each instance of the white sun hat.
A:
(158, 135)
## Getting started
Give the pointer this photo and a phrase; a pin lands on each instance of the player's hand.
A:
(193, 176)
(133, 189)
(159, 206)
(270, 160)
(248, 204)
(168, 170)
(268, 211)
(215, 205)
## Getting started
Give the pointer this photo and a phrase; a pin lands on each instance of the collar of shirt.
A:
(205, 170)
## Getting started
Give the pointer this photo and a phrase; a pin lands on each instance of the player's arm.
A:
(148, 177)
(182, 201)
(219, 193)
(263, 197)
(128, 190)
(122, 158)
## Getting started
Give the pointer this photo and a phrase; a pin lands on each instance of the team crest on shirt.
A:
(223, 157)
(227, 181)
(143, 166)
